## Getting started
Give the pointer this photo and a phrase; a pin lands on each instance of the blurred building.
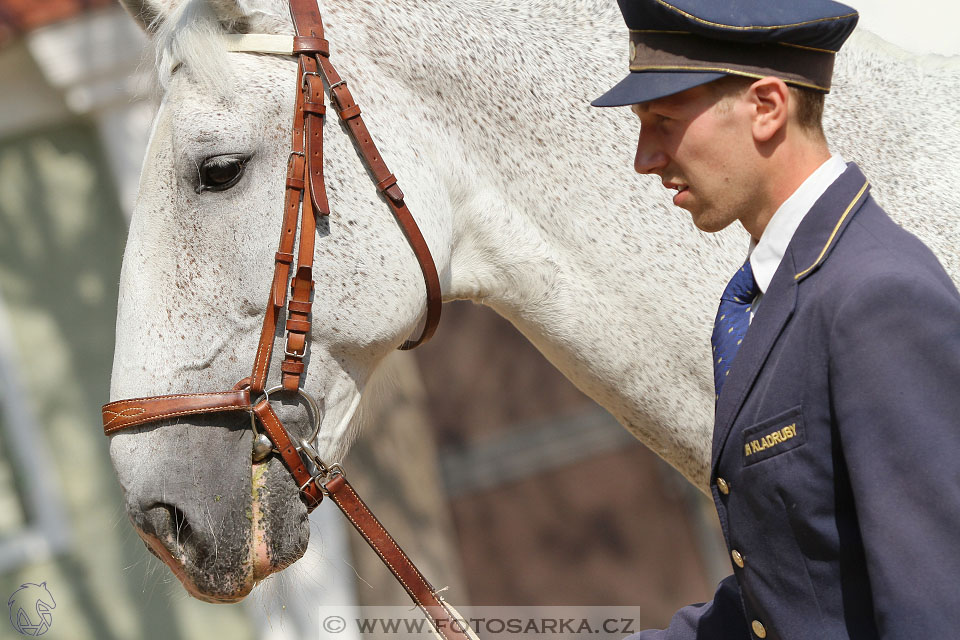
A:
(506, 483)
(553, 501)
(74, 117)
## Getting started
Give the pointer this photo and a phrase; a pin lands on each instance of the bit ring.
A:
(312, 406)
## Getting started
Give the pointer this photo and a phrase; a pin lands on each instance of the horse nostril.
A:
(168, 524)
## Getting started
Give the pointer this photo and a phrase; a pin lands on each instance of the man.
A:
(837, 429)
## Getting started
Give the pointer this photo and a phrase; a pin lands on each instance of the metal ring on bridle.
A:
(312, 406)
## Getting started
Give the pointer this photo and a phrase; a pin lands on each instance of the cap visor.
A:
(644, 86)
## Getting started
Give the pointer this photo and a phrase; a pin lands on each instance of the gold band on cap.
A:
(679, 51)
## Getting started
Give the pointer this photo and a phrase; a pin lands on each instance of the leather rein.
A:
(306, 194)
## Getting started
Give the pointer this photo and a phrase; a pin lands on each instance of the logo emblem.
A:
(30, 607)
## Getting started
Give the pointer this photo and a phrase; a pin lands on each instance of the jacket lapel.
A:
(808, 249)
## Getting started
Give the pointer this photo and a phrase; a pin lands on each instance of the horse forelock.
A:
(192, 35)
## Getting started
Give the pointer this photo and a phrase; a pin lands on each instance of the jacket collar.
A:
(767, 254)
(810, 247)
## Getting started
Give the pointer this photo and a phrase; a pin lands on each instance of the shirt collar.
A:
(765, 255)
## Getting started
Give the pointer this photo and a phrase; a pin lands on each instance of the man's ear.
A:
(769, 99)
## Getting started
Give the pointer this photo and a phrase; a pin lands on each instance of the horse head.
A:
(196, 280)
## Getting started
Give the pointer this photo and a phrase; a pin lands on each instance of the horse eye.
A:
(219, 173)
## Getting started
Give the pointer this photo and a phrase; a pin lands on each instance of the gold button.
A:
(758, 629)
(737, 558)
(723, 486)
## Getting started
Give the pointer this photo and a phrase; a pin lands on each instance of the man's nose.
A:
(650, 157)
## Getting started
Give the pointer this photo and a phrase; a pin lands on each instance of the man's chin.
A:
(709, 221)
(709, 224)
(704, 223)
(708, 228)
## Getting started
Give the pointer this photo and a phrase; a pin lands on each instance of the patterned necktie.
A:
(733, 320)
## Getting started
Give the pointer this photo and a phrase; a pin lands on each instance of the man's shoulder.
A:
(874, 246)
(876, 260)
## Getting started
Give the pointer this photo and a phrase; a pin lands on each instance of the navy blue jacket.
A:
(836, 452)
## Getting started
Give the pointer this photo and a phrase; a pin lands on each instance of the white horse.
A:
(524, 194)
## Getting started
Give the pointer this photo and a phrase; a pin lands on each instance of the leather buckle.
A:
(290, 157)
(303, 78)
(294, 354)
(333, 87)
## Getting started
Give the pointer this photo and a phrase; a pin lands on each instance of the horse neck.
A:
(601, 303)
(541, 204)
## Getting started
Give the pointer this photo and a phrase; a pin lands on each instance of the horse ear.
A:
(270, 16)
(259, 16)
(147, 13)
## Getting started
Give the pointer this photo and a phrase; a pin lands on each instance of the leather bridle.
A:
(306, 194)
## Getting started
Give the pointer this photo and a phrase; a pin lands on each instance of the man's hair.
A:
(809, 109)
(809, 103)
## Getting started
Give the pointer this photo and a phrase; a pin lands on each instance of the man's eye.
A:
(219, 173)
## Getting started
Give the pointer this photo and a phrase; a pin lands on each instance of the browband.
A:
(259, 43)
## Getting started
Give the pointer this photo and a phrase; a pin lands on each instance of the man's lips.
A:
(680, 188)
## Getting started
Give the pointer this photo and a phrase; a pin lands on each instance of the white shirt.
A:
(765, 255)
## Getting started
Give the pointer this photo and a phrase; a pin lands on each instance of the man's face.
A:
(702, 148)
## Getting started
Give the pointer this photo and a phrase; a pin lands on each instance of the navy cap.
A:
(676, 45)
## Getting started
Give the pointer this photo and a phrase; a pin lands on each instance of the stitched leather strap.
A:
(295, 186)
(342, 99)
(314, 204)
(129, 413)
(420, 591)
(307, 21)
(311, 494)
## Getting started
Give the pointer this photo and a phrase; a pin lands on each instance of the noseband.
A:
(306, 194)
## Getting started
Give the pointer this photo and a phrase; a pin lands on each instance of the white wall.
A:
(926, 27)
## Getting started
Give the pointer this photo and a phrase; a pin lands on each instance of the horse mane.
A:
(875, 44)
